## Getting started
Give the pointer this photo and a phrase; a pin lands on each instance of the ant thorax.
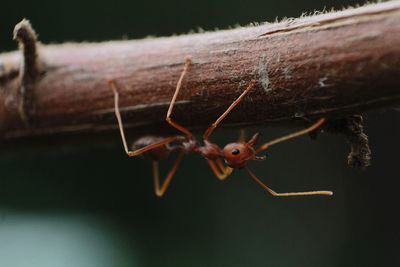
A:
(210, 150)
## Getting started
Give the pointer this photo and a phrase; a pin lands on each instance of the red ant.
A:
(236, 155)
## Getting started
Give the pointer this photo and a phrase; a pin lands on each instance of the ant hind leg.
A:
(121, 128)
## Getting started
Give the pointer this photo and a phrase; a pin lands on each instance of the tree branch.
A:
(332, 64)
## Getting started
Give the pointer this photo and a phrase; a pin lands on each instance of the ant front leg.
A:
(275, 194)
(160, 190)
(121, 129)
(221, 172)
(293, 135)
(210, 130)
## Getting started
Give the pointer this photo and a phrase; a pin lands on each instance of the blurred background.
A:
(90, 205)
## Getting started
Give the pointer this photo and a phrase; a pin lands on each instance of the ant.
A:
(236, 154)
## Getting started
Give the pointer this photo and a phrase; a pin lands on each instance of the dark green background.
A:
(90, 205)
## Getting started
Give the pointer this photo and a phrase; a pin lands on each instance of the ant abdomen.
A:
(157, 153)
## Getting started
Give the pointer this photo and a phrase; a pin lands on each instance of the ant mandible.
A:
(236, 155)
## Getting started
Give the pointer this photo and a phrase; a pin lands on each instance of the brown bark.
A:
(332, 64)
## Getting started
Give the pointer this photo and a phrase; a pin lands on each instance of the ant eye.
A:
(235, 151)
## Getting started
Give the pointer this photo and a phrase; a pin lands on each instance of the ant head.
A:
(236, 155)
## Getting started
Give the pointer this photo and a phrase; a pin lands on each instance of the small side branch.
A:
(330, 65)
(30, 69)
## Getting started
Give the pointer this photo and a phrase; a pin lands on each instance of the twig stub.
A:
(30, 69)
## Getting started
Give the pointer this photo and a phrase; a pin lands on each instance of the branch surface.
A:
(332, 64)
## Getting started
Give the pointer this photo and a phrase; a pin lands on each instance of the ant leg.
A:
(220, 174)
(209, 131)
(121, 129)
(171, 105)
(275, 194)
(160, 191)
(225, 169)
(242, 136)
(293, 135)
